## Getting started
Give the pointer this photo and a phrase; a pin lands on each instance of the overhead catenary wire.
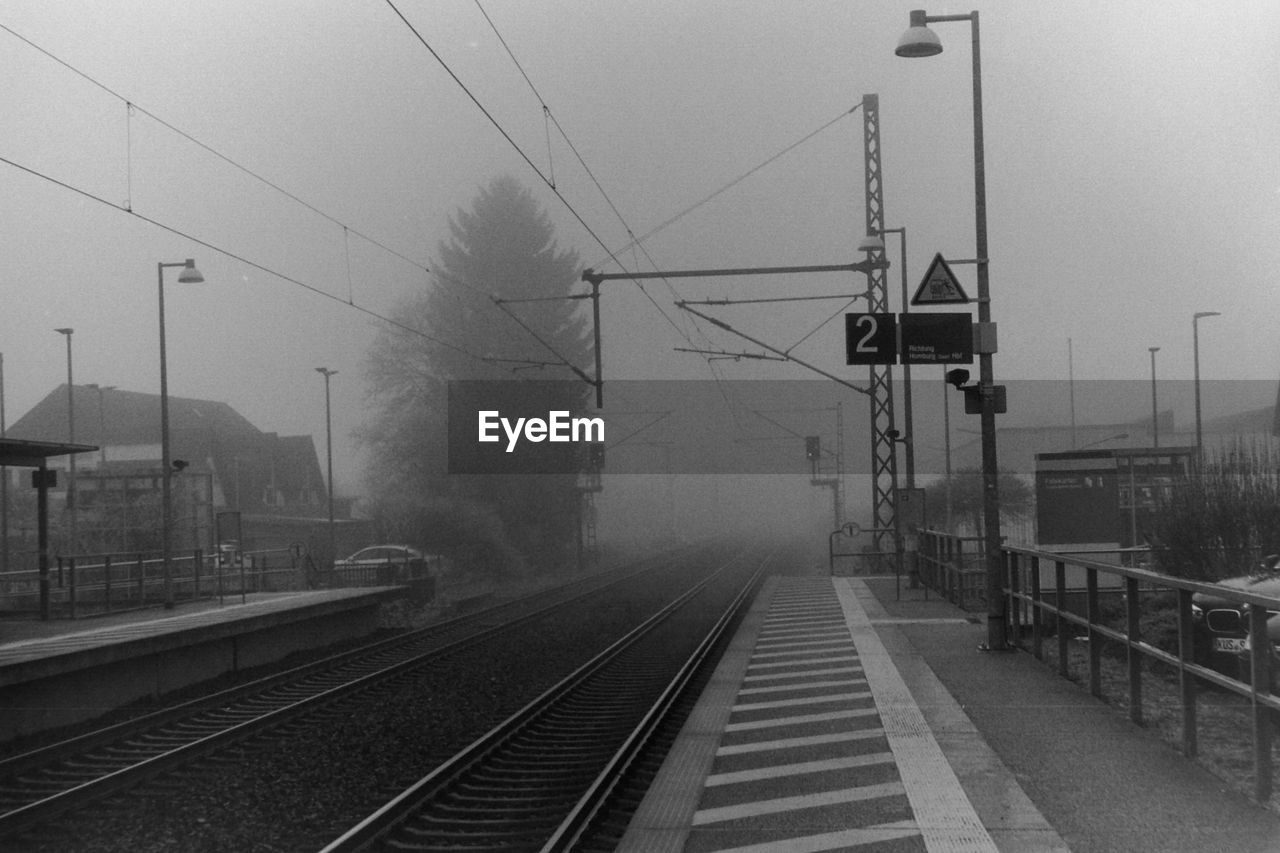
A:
(208, 148)
(635, 243)
(318, 291)
(730, 185)
(127, 206)
(548, 116)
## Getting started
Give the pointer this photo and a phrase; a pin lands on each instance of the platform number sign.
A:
(870, 339)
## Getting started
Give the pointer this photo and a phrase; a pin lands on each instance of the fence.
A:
(1145, 617)
(954, 567)
(1048, 614)
(417, 574)
(82, 585)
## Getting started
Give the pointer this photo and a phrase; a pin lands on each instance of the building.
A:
(231, 480)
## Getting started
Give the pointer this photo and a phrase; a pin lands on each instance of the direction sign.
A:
(937, 338)
(939, 286)
(870, 339)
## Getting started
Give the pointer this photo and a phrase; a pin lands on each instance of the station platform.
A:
(850, 714)
(58, 672)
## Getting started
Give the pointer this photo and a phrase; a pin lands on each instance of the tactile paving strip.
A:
(942, 811)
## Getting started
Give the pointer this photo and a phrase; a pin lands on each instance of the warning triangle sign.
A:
(939, 286)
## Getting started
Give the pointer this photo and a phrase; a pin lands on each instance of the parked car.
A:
(384, 564)
(1222, 629)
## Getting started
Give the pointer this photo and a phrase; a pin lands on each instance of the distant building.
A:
(227, 466)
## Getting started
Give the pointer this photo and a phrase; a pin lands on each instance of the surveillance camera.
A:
(179, 464)
(958, 377)
(892, 434)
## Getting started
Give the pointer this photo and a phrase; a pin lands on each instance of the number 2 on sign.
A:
(869, 322)
(869, 339)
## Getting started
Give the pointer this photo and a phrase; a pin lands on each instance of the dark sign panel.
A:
(937, 338)
(870, 339)
(1078, 505)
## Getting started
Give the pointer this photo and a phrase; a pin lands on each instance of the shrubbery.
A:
(1224, 518)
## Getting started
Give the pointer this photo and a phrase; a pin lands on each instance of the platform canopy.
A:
(34, 454)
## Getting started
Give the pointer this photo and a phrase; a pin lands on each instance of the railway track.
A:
(41, 784)
(552, 775)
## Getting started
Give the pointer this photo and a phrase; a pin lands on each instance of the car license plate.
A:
(1228, 644)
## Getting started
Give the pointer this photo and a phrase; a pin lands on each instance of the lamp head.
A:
(918, 40)
(64, 331)
(189, 274)
(871, 243)
(1200, 314)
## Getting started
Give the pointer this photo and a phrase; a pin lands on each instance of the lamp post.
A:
(71, 439)
(1195, 347)
(328, 445)
(920, 41)
(1155, 417)
(189, 275)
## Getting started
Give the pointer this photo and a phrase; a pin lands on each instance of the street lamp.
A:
(1195, 345)
(920, 41)
(71, 439)
(328, 444)
(189, 275)
(1155, 418)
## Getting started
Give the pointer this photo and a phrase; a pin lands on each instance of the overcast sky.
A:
(1133, 178)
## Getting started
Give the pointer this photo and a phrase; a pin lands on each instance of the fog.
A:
(308, 157)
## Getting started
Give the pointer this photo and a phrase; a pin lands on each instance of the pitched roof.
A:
(249, 464)
(129, 417)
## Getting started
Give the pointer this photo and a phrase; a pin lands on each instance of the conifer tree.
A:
(504, 246)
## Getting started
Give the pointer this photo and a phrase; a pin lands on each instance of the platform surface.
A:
(849, 714)
(26, 644)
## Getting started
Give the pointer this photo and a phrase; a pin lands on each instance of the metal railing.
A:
(86, 584)
(954, 567)
(1051, 598)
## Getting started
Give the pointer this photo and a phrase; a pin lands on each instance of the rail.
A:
(1049, 598)
(86, 584)
(954, 567)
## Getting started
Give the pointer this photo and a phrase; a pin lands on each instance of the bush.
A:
(1220, 522)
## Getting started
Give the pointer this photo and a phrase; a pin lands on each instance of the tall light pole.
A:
(71, 439)
(328, 445)
(1195, 347)
(920, 41)
(189, 275)
(1155, 416)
